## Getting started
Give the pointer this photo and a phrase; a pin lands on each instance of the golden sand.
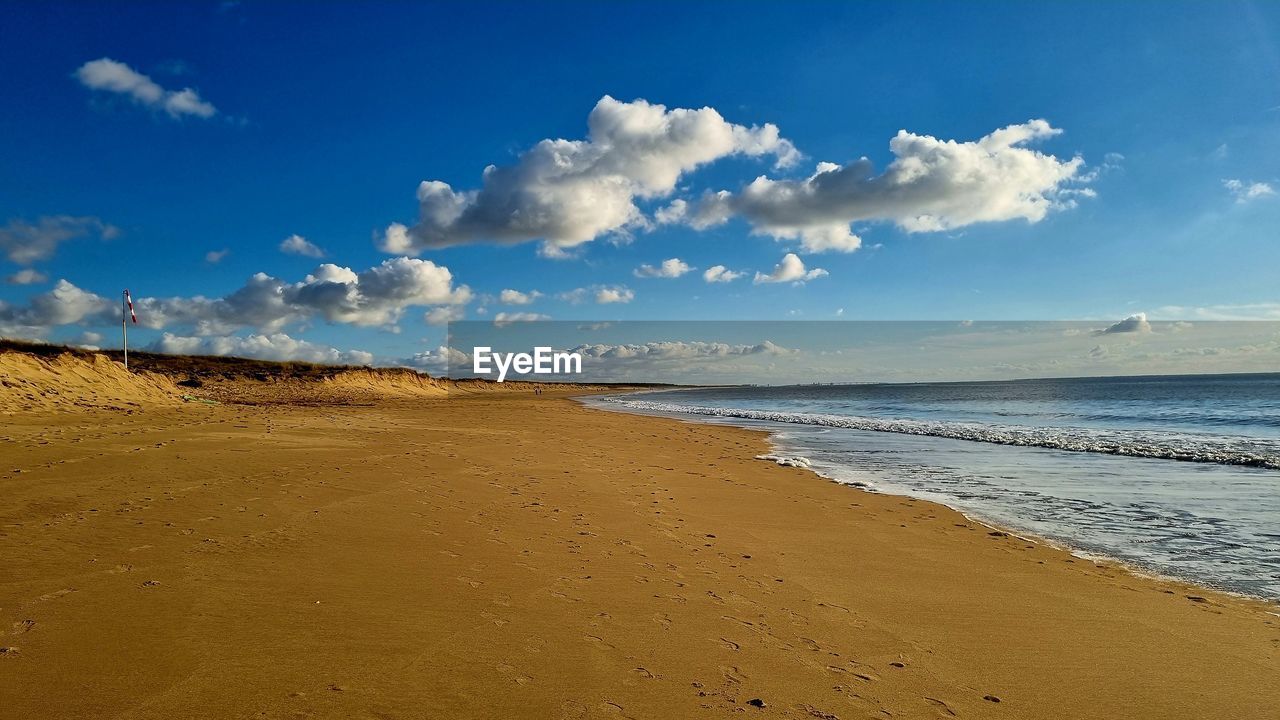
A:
(503, 555)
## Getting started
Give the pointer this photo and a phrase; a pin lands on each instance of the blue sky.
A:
(320, 120)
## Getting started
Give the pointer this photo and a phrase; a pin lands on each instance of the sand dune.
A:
(75, 381)
(67, 382)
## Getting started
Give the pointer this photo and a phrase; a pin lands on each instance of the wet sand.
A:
(506, 555)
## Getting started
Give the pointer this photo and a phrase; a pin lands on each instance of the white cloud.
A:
(790, 269)
(608, 295)
(515, 297)
(506, 318)
(444, 314)
(374, 297)
(714, 209)
(1245, 191)
(601, 294)
(1247, 311)
(676, 212)
(65, 304)
(659, 359)
(1136, 323)
(678, 350)
(107, 75)
(26, 276)
(931, 185)
(25, 243)
(213, 257)
(569, 192)
(720, 274)
(438, 360)
(670, 268)
(298, 245)
(275, 346)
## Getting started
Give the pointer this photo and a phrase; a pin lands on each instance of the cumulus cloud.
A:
(569, 192)
(1245, 191)
(275, 346)
(515, 297)
(600, 294)
(374, 297)
(298, 245)
(931, 185)
(791, 269)
(444, 314)
(720, 274)
(107, 75)
(668, 359)
(436, 361)
(213, 257)
(608, 295)
(670, 268)
(715, 208)
(1133, 324)
(503, 319)
(1247, 311)
(26, 276)
(25, 243)
(65, 304)
(677, 350)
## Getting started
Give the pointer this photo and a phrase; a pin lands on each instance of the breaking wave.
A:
(1185, 447)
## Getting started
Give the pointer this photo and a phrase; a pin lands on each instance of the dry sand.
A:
(504, 555)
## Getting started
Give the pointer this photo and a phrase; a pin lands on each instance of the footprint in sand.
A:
(55, 594)
(942, 706)
(613, 708)
(857, 672)
(599, 640)
(732, 674)
(515, 676)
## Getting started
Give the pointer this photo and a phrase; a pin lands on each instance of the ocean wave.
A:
(798, 461)
(1184, 447)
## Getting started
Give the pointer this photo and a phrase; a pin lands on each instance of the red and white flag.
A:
(129, 301)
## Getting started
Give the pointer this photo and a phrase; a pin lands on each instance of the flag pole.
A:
(124, 327)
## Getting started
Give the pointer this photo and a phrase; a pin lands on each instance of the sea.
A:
(1173, 475)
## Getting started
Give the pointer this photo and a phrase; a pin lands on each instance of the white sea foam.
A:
(787, 460)
(1167, 445)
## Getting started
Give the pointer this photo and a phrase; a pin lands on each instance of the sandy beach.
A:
(510, 555)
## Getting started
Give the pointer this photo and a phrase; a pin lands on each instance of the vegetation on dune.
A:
(197, 367)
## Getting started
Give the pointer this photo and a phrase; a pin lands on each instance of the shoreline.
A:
(1129, 566)
(773, 429)
(505, 554)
